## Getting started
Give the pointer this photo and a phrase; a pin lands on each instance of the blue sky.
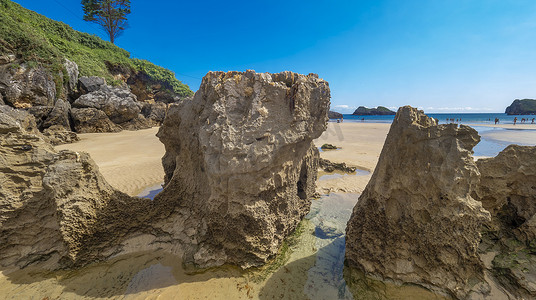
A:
(439, 55)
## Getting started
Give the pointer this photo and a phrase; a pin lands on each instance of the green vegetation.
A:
(111, 15)
(42, 41)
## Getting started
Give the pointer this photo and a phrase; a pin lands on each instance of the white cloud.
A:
(344, 109)
(432, 109)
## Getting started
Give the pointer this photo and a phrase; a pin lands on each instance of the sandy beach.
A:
(129, 160)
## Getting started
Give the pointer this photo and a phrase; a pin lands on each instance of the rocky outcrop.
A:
(240, 156)
(117, 103)
(23, 86)
(72, 75)
(378, 111)
(329, 166)
(155, 112)
(59, 115)
(58, 135)
(522, 107)
(416, 221)
(238, 185)
(334, 115)
(88, 84)
(91, 120)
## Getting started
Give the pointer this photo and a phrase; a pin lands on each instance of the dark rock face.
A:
(72, 73)
(155, 112)
(25, 87)
(90, 84)
(59, 115)
(58, 135)
(240, 156)
(90, 120)
(416, 221)
(522, 107)
(40, 114)
(380, 110)
(334, 115)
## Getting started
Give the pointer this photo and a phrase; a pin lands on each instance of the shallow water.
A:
(151, 192)
(491, 147)
(338, 174)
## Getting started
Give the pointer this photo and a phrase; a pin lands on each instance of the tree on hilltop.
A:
(109, 14)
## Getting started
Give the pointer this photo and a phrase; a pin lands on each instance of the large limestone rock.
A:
(56, 208)
(240, 157)
(91, 120)
(117, 103)
(24, 86)
(88, 84)
(59, 115)
(72, 73)
(416, 221)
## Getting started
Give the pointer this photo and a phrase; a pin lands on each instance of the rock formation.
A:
(24, 86)
(378, 111)
(522, 107)
(334, 115)
(240, 166)
(240, 154)
(416, 221)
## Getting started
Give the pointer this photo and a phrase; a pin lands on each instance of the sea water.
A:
(465, 118)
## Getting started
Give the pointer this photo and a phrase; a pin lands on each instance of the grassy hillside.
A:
(36, 39)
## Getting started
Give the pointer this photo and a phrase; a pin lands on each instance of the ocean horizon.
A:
(468, 118)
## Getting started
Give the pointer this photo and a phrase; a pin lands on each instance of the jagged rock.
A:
(2, 100)
(240, 156)
(59, 115)
(416, 221)
(155, 112)
(40, 114)
(24, 87)
(88, 120)
(118, 104)
(88, 84)
(58, 135)
(52, 202)
(328, 147)
(508, 189)
(329, 166)
(72, 73)
(140, 122)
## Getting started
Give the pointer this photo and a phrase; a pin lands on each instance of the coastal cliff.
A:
(522, 107)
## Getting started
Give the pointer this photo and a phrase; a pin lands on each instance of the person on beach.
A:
(515, 120)
(496, 121)
(532, 121)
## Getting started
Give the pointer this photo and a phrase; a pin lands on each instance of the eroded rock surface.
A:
(239, 174)
(240, 156)
(416, 221)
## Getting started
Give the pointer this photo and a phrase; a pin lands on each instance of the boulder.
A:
(59, 115)
(89, 120)
(24, 86)
(154, 112)
(2, 100)
(140, 122)
(241, 163)
(117, 103)
(40, 114)
(72, 74)
(416, 221)
(508, 189)
(88, 84)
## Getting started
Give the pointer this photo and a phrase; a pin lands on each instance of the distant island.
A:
(334, 115)
(522, 107)
(379, 111)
